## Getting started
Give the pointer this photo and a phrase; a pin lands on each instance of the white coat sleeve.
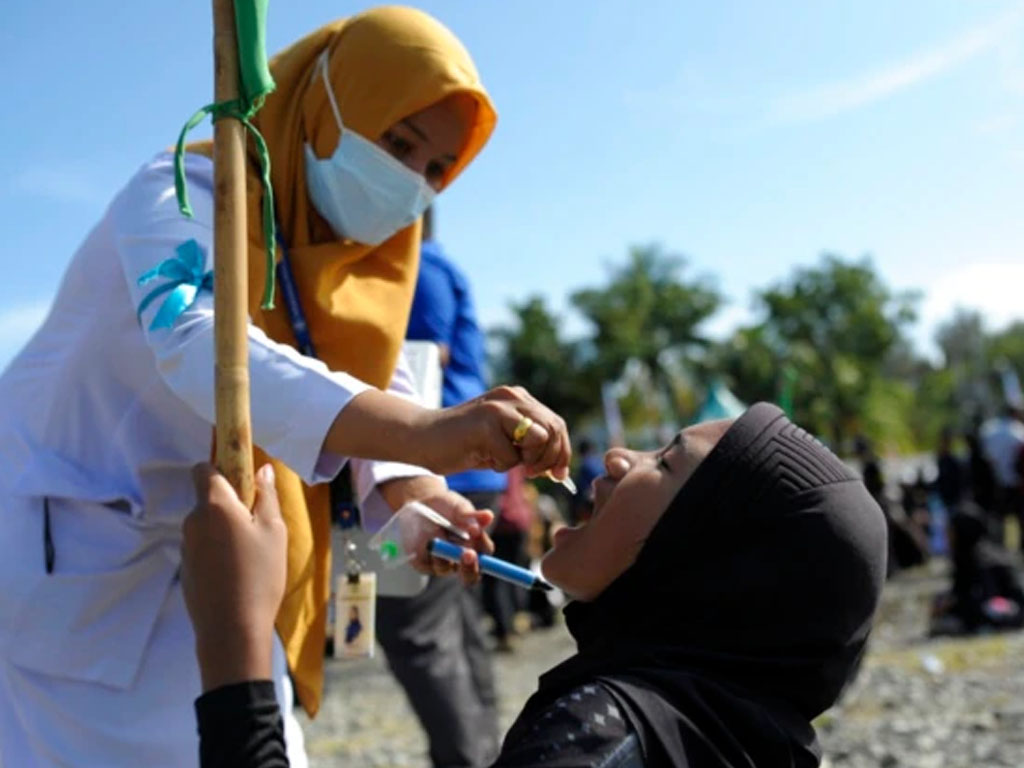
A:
(295, 399)
(368, 474)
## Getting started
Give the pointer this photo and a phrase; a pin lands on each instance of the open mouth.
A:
(602, 488)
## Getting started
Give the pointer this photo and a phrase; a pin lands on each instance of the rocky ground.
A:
(366, 721)
(929, 703)
(918, 703)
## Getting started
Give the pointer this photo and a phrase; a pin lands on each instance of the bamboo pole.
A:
(234, 431)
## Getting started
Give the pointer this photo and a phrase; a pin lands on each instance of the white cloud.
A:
(832, 99)
(64, 185)
(17, 323)
(992, 288)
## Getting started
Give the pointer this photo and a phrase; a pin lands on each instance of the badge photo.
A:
(355, 600)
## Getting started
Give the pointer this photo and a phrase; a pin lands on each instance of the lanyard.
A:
(286, 279)
(345, 512)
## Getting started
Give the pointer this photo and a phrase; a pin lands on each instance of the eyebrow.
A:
(408, 123)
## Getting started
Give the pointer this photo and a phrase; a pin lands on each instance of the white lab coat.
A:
(104, 418)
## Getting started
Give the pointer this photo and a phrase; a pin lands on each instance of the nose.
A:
(618, 461)
(417, 162)
(420, 162)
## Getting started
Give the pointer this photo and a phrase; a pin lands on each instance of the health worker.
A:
(111, 402)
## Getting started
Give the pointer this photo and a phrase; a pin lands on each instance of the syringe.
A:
(492, 566)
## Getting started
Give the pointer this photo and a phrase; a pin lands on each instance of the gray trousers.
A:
(436, 649)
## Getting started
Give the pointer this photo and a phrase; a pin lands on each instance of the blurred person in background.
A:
(986, 589)
(908, 543)
(871, 470)
(951, 479)
(434, 642)
(1003, 440)
(981, 481)
(590, 468)
(503, 600)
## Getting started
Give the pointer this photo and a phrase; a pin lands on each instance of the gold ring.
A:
(521, 429)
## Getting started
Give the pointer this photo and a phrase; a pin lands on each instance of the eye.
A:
(397, 147)
(435, 171)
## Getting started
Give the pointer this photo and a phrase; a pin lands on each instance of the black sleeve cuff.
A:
(240, 725)
(230, 699)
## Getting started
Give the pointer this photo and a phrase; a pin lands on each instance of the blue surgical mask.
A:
(364, 193)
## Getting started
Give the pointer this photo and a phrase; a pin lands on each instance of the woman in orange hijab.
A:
(107, 408)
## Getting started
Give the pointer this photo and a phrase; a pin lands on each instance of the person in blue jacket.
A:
(434, 641)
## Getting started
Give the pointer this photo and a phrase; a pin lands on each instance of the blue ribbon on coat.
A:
(186, 277)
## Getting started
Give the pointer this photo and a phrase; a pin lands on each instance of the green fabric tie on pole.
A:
(251, 30)
(256, 83)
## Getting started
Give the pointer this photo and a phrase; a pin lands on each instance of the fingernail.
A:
(266, 474)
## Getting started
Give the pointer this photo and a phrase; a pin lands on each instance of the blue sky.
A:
(748, 136)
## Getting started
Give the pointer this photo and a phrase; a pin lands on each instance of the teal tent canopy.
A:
(719, 403)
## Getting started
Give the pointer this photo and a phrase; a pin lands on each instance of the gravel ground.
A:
(366, 720)
(918, 703)
(929, 703)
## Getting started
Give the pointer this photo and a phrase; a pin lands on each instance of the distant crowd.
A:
(971, 509)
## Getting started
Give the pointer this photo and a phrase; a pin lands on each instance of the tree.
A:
(1006, 349)
(834, 325)
(748, 363)
(976, 360)
(532, 354)
(1008, 344)
(935, 406)
(646, 313)
(962, 339)
(963, 343)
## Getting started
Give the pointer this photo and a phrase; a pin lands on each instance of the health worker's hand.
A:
(233, 576)
(481, 433)
(498, 430)
(451, 505)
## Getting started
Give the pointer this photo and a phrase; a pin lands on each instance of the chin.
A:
(556, 568)
(551, 567)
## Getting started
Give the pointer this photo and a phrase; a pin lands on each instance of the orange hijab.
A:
(384, 65)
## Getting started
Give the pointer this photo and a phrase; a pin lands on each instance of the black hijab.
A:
(747, 609)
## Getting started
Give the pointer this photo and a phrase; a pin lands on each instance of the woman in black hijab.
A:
(724, 586)
(739, 609)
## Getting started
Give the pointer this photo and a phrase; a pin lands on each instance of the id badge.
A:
(355, 603)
